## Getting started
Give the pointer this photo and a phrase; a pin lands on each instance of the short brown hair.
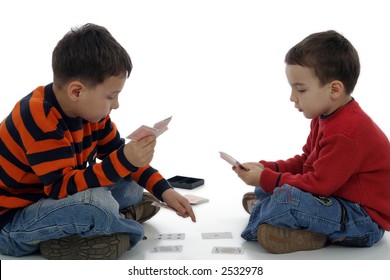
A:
(330, 55)
(89, 53)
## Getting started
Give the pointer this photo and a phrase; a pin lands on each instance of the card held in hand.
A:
(232, 160)
(144, 130)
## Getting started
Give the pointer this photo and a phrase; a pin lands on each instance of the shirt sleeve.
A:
(323, 172)
(53, 159)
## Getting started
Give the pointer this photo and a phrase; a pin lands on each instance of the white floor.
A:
(224, 213)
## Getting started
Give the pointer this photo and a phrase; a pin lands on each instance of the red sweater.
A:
(346, 155)
(44, 153)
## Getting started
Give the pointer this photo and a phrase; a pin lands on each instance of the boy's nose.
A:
(115, 104)
(293, 97)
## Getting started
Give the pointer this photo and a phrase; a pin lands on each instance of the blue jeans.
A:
(91, 212)
(344, 222)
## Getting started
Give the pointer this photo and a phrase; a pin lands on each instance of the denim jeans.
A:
(344, 222)
(88, 213)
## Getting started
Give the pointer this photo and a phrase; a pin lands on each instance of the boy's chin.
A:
(310, 117)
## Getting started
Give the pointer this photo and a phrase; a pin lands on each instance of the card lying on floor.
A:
(194, 199)
(217, 235)
(228, 250)
(232, 160)
(167, 249)
(144, 130)
(170, 236)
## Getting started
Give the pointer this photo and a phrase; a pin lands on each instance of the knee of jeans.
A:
(102, 200)
(133, 192)
(286, 194)
(261, 194)
(97, 217)
(127, 193)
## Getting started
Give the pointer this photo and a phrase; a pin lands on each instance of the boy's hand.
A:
(258, 164)
(251, 177)
(140, 153)
(179, 203)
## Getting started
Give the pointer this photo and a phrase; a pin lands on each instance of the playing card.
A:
(144, 130)
(162, 125)
(232, 160)
(167, 249)
(170, 236)
(160, 131)
(193, 199)
(228, 250)
(217, 235)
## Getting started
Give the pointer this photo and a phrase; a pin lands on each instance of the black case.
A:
(184, 182)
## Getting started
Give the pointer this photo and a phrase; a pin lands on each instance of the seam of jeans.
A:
(343, 217)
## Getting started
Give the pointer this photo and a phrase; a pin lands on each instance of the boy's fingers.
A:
(189, 211)
(147, 140)
(185, 210)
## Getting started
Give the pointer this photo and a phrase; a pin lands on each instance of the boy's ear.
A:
(336, 89)
(74, 90)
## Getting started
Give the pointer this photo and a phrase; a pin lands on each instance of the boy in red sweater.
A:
(338, 189)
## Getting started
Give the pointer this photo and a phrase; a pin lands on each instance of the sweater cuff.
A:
(270, 164)
(269, 179)
(160, 188)
(123, 160)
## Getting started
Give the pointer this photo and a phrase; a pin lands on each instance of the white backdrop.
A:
(215, 66)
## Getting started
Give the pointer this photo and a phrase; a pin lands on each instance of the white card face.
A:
(170, 236)
(217, 235)
(232, 160)
(167, 249)
(194, 199)
(228, 250)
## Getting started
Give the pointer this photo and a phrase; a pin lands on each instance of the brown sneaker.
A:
(249, 200)
(279, 240)
(75, 247)
(143, 211)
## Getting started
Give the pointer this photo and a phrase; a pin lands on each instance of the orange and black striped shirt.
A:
(44, 153)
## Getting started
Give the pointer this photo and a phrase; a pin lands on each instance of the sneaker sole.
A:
(74, 247)
(284, 240)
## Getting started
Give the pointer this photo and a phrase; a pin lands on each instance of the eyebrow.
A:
(298, 84)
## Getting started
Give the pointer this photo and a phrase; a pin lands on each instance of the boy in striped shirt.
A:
(54, 196)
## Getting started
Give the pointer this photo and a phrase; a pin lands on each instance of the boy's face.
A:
(96, 103)
(309, 96)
